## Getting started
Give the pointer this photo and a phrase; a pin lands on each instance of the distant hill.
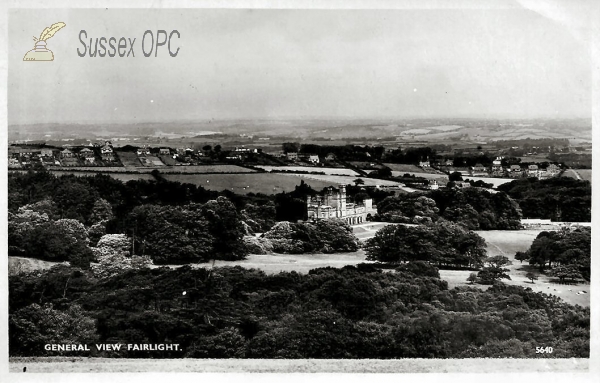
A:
(578, 131)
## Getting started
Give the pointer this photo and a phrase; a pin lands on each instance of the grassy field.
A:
(167, 160)
(585, 174)
(301, 263)
(331, 171)
(535, 158)
(343, 180)
(129, 159)
(18, 265)
(404, 168)
(267, 183)
(79, 364)
(494, 181)
(208, 169)
(119, 176)
(429, 176)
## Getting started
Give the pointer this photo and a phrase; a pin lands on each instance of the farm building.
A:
(334, 205)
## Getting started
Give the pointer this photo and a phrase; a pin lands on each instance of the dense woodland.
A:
(232, 312)
(442, 244)
(562, 199)
(474, 208)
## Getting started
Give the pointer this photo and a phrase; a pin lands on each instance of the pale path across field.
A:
(78, 364)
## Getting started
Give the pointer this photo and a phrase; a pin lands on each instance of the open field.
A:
(429, 176)
(167, 160)
(207, 169)
(331, 171)
(301, 263)
(129, 159)
(585, 174)
(535, 158)
(80, 364)
(118, 176)
(494, 181)
(571, 173)
(266, 183)
(367, 230)
(365, 165)
(345, 180)
(404, 168)
(18, 265)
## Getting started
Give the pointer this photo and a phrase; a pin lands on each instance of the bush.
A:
(323, 236)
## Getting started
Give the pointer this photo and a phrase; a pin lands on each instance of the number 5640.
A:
(543, 350)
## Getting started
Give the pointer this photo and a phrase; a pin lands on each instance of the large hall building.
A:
(334, 205)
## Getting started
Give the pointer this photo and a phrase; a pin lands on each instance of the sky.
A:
(260, 64)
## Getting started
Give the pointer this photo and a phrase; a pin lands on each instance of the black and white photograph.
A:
(403, 187)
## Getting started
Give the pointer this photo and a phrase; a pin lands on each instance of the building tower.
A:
(342, 201)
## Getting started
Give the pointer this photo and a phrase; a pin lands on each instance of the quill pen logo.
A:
(40, 52)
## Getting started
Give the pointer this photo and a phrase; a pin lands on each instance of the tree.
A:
(226, 228)
(568, 273)
(45, 206)
(290, 147)
(112, 256)
(62, 240)
(383, 172)
(173, 234)
(359, 181)
(443, 243)
(31, 327)
(472, 278)
(495, 270)
(74, 199)
(531, 276)
(101, 212)
(413, 208)
(259, 218)
(498, 261)
(455, 176)
(522, 256)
